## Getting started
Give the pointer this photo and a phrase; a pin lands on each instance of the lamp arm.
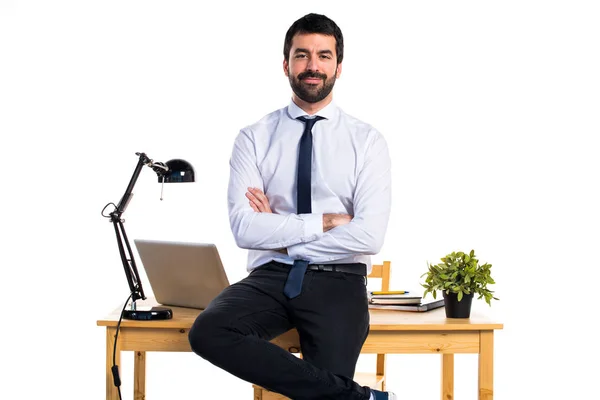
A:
(131, 272)
(158, 167)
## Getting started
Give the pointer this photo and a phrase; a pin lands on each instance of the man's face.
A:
(312, 68)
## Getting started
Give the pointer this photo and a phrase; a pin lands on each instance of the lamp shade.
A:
(179, 171)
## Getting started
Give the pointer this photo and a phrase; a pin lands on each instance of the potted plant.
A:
(459, 276)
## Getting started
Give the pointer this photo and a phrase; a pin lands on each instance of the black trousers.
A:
(332, 319)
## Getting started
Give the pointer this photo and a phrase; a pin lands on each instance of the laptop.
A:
(182, 274)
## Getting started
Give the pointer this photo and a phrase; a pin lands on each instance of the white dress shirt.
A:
(350, 175)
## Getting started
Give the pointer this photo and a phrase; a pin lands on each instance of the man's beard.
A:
(310, 93)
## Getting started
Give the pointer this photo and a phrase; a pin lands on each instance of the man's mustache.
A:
(311, 74)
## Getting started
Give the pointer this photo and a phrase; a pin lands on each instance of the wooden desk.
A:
(391, 332)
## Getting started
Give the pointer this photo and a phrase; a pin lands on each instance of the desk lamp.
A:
(172, 171)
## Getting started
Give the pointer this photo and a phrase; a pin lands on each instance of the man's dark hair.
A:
(315, 23)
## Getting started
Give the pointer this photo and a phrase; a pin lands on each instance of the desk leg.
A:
(486, 365)
(447, 377)
(111, 390)
(139, 376)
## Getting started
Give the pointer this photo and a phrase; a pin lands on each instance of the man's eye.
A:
(300, 55)
(325, 56)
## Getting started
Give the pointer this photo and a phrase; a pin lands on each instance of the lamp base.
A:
(148, 313)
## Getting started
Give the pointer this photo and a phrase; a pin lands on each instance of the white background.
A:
(490, 110)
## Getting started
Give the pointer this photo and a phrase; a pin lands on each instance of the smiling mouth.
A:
(312, 81)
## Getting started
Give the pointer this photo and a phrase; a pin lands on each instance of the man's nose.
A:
(312, 64)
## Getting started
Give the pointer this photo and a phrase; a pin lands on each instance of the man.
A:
(309, 196)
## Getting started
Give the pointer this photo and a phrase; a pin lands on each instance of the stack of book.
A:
(402, 300)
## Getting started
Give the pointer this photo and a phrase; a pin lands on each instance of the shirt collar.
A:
(327, 112)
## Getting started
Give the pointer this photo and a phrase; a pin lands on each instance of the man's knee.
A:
(206, 333)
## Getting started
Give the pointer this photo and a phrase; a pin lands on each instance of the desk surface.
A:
(392, 332)
(381, 320)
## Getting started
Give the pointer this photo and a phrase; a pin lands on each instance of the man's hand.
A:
(330, 221)
(258, 200)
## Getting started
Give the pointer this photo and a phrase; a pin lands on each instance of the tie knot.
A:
(309, 122)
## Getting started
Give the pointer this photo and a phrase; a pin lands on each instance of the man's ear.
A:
(338, 72)
(286, 68)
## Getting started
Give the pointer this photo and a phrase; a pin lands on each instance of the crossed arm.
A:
(260, 203)
(265, 230)
(312, 237)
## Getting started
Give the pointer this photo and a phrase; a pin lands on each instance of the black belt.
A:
(354, 268)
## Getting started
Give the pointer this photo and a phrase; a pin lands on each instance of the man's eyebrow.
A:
(326, 52)
(301, 50)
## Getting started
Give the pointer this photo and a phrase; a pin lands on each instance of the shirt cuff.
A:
(313, 226)
(313, 229)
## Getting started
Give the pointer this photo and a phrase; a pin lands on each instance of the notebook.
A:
(425, 305)
(182, 274)
(403, 298)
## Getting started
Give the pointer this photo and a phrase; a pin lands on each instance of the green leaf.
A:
(460, 273)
